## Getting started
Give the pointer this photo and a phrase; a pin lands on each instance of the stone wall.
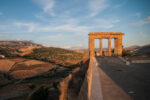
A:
(85, 90)
(91, 88)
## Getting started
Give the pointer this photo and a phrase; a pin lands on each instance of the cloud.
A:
(6, 37)
(134, 24)
(70, 26)
(30, 26)
(147, 19)
(142, 22)
(55, 37)
(78, 47)
(105, 23)
(47, 6)
(62, 28)
(138, 14)
(69, 41)
(97, 6)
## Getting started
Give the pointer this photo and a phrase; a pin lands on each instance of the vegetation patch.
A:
(40, 93)
(77, 80)
(126, 53)
(8, 52)
(55, 55)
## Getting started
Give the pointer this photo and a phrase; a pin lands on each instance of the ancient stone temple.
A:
(117, 36)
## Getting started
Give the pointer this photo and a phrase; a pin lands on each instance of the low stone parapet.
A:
(91, 87)
(85, 90)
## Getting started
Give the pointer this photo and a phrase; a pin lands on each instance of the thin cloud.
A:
(104, 23)
(96, 6)
(34, 27)
(147, 19)
(134, 24)
(142, 22)
(63, 28)
(138, 14)
(52, 37)
(47, 6)
(30, 26)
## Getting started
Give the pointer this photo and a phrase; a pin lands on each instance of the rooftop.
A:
(106, 33)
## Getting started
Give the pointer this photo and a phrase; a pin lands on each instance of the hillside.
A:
(139, 50)
(16, 48)
(132, 48)
(143, 51)
(56, 55)
(21, 76)
(17, 43)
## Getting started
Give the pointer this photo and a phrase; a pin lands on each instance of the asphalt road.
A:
(133, 79)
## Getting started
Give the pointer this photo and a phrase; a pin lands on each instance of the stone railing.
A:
(91, 87)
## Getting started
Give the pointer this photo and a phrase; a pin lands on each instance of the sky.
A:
(66, 23)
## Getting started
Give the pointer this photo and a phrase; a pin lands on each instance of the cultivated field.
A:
(26, 67)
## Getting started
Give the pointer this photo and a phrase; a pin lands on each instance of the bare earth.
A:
(133, 79)
(22, 68)
(5, 65)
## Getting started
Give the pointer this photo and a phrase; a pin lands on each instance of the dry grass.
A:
(23, 68)
(29, 68)
(17, 60)
(23, 73)
(6, 64)
(27, 50)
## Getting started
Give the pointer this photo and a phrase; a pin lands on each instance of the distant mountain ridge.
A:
(134, 47)
(143, 51)
(139, 50)
(18, 43)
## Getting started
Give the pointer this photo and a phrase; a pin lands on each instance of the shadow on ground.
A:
(134, 79)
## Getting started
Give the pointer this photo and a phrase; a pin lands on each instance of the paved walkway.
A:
(122, 82)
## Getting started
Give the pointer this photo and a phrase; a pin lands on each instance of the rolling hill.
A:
(139, 50)
(143, 51)
(16, 48)
(56, 55)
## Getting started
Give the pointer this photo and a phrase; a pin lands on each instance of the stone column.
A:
(115, 46)
(119, 46)
(91, 47)
(109, 46)
(100, 47)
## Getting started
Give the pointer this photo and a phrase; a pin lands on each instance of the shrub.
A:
(55, 85)
(31, 86)
(7, 76)
(40, 93)
(126, 53)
